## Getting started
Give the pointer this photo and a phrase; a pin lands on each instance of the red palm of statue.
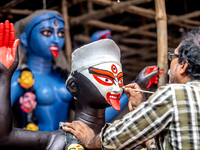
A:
(8, 44)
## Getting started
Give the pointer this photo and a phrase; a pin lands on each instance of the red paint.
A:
(114, 101)
(114, 69)
(54, 50)
(103, 82)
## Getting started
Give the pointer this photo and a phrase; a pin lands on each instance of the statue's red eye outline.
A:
(120, 79)
(104, 80)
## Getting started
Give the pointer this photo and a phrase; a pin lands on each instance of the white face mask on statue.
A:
(108, 78)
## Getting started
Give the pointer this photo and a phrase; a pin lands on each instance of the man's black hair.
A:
(189, 52)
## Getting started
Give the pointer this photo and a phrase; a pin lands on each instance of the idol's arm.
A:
(13, 138)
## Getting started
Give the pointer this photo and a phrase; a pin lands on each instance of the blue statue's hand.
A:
(103, 34)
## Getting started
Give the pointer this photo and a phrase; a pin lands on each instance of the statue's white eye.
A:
(104, 80)
(46, 33)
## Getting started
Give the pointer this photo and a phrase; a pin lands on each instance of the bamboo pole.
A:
(104, 25)
(108, 11)
(68, 47)
(161, 21)
(11, 4)
(18, 11)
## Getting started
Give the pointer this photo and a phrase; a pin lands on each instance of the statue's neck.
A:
(94, 118)
(39, 64)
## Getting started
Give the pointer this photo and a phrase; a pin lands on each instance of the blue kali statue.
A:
(42, 38)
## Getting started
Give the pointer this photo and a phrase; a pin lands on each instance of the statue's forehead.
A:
(46, 16)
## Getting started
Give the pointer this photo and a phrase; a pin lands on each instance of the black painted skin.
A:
(14, 138)
(90, 109)
(90, 104)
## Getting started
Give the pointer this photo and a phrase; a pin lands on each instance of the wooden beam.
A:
(131, 51)
(6, 16)
(138, 41)
(183, 25)
(99, 14)
(172, 20)
(183, 17)
(141, 28)
(136, 62)
(11, 4)
(149, 13)
(192, 22)
(161, 21)
(68, 49)
(18, 11)
(82, 38)
(110, 26)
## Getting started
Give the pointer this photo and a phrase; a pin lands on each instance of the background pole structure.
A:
(68, 47)
(44, 4)
(162, 44)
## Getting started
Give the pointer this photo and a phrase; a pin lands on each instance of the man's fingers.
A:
(69, 130)
(130, 92)
(133, 86)
(75, 125)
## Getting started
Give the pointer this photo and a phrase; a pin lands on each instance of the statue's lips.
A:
(27, 105)
(113, 99)
(54, 50)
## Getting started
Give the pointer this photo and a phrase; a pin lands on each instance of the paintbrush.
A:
(142, 91)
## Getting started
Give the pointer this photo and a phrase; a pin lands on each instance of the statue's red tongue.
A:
(115, 104)
(54, 53)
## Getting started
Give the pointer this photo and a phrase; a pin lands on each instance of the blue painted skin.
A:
(52, 96)
(102, 34)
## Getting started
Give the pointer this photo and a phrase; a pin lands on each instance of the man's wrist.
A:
(95, 143)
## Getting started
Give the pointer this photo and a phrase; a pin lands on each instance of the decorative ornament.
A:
(55, 23)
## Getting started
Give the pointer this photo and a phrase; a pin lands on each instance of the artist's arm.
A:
(13, 138)
(84, 133)
(135, 127)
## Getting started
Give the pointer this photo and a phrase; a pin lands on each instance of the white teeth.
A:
(114, 97)
(54, 48)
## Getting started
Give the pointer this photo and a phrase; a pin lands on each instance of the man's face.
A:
(108, 79)
(173, 76)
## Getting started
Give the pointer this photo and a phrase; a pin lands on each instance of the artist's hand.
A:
(8, 47)
(148, 76)
(134, 97)
(80, 130)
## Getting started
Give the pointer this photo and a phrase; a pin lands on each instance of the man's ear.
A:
(72, 87)
(184, 67)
